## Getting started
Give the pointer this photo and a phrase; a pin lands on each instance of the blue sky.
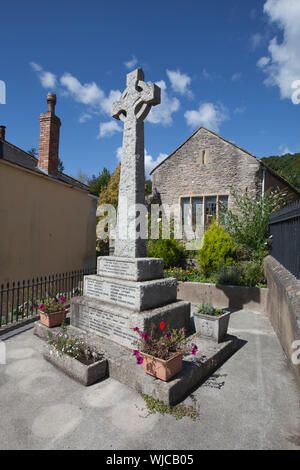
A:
(229, 65)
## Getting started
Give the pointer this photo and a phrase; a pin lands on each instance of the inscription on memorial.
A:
(111, 325)
(116, 268)
(111, 291)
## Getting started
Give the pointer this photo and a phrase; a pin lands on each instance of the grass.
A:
(177, 411)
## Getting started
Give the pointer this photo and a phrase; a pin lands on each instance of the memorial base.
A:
(122, 365)
(116, 323)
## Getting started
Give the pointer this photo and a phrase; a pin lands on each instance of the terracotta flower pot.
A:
(161, 369)
(53, 319)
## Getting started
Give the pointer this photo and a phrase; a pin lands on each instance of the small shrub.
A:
(168, 250)
(229, 276)
(207, 308)
(254, 274)
(217, 249)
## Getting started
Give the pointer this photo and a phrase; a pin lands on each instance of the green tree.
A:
(288, 166)
(248, 223)
(110, 193)
(98, 183)
(33, 152)
(60, 166)
(217, 250)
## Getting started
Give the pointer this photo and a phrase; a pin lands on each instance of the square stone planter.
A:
(212, 327)
(85, 374)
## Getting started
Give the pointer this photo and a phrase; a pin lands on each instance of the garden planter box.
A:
(163, 370)
(212, 327)
(52, 319)
(85, 374)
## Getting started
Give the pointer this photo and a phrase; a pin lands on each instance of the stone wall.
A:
(283, 307)
(235, 297)
(187, 173)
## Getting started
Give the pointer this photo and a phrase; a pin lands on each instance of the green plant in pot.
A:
(211, 322)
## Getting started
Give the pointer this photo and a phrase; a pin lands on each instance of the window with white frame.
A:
(202, 210)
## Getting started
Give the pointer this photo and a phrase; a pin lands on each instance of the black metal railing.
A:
(285, 231)
(19, 300)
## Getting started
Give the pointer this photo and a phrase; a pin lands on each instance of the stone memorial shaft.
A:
(132, 108)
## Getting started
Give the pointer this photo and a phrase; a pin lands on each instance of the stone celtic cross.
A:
(133, 107)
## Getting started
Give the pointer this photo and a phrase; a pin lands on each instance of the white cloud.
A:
(119, 153)
(207, 75)
(106, 103)
(47, 79)
(131, 63)
(262, 62)
(257, 40)
(107, 129)
(208, 115)
(150, 162)
(179, 82)
(283, 67)
(284, 150)
(239, 110)
(162, 114)
(236, 76)
(89, 93)
(84, 117)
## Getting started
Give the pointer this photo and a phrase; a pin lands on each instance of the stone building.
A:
(202, 172)
(48, 219)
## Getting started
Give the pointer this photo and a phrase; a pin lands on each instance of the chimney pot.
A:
(2, 132)
(51, 100)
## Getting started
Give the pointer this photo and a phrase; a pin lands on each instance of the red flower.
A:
(162, 325)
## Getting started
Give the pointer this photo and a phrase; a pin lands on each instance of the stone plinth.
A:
(131, 294)
(132, 269)
(117, 323)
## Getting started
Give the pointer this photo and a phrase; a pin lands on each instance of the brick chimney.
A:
(2, 132)
(49, 138)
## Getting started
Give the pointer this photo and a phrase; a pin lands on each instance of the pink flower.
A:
(136, 352)
(63, 300)
(195, 349)
(145, 336)
(136, 328)
(42, 307)
(139, 360)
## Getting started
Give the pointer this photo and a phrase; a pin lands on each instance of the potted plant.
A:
(74, 357)
(161, 352)
(52, 311)
(211, 322)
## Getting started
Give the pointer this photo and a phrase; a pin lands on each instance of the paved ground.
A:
(251, 402)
